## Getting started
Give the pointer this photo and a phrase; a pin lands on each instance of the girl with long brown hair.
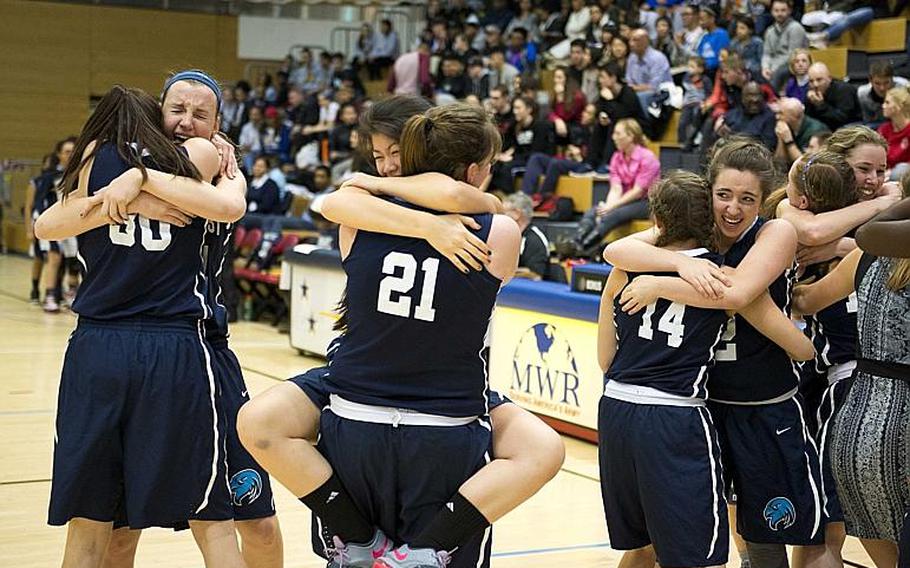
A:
(107, 392)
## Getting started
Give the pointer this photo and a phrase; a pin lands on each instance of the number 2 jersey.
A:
(417, 328)
(833, 329)
(144, 267)
(667, 346)
(749, 367)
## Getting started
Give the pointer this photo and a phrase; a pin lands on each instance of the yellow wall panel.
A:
(55, 57)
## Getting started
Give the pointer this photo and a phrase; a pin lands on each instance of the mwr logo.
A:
(544, 366)
(246, 487)
(780, 514)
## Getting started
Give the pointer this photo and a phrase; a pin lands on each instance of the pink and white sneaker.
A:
(406, 557)
(359, 555)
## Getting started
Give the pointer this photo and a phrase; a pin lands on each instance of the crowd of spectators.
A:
(558, 79)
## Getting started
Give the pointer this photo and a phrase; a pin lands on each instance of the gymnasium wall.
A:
(55, 57)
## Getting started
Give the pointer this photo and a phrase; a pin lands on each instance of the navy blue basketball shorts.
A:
(138, 427)
(312, 383)
(829, 405)
(662, 483)
(812, 387)
(771, 460)
(251, 490)
(400, 477)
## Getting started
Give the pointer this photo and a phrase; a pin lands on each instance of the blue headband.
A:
(194, 75)
(806, 172)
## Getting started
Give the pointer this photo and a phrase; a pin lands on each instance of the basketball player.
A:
(190, 100)
(769, 456)
(652, 421)
(137, 373)
(43, 190)
(825, 213)
(527, 453)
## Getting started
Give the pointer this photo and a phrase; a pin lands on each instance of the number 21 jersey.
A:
(417, 328)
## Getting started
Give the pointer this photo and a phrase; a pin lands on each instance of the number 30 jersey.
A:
(417, 328)
(667, 346)
(142, 268)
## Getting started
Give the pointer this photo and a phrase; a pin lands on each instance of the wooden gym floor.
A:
(560, 526)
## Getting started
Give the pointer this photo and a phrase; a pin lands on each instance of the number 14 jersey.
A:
(142, 268)
(667, 346)
(417, 328)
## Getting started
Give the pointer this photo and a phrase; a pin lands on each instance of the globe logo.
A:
(544, 366)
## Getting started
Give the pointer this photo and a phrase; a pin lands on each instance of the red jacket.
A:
(898, 143)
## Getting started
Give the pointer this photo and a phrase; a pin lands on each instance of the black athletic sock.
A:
(50, 293)
(331, 503)
(452, 526)
(35, 285)
(767, 555)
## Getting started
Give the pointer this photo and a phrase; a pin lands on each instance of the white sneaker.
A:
(50, 305)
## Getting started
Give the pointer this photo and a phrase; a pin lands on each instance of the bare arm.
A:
(358, 209)
(836, 285)
(606, 326)
(431, 190)
(225, 202)
(825, 227)
(637, 253)
(772, 253)
(768, 319)
(888, 233)
(504, 242)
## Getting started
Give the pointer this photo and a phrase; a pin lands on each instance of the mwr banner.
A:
(547, 364)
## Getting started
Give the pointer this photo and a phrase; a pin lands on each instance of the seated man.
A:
(794, 130)
(872, 94)
(751, 118)
(829, 100)
(534, 259)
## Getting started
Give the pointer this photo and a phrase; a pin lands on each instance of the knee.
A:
(543, 459)
(551, 454)
(255, 426)
(121, 548)
(260, 533)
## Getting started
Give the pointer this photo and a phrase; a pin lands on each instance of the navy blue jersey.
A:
(668, 346)
(142, 268)
(218, 237)
(45, 190)
(749, 366)
(417, 328)
(833, 329)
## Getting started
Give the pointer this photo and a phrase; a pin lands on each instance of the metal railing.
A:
(344, 39)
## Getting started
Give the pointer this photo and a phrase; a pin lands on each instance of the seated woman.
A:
(566, 104)
(263, 196)
(527, 135)
(798, 82)
(633, 170)
(896, 130)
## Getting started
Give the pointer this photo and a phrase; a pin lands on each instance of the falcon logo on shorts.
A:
(246, 487)
(780, 514)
